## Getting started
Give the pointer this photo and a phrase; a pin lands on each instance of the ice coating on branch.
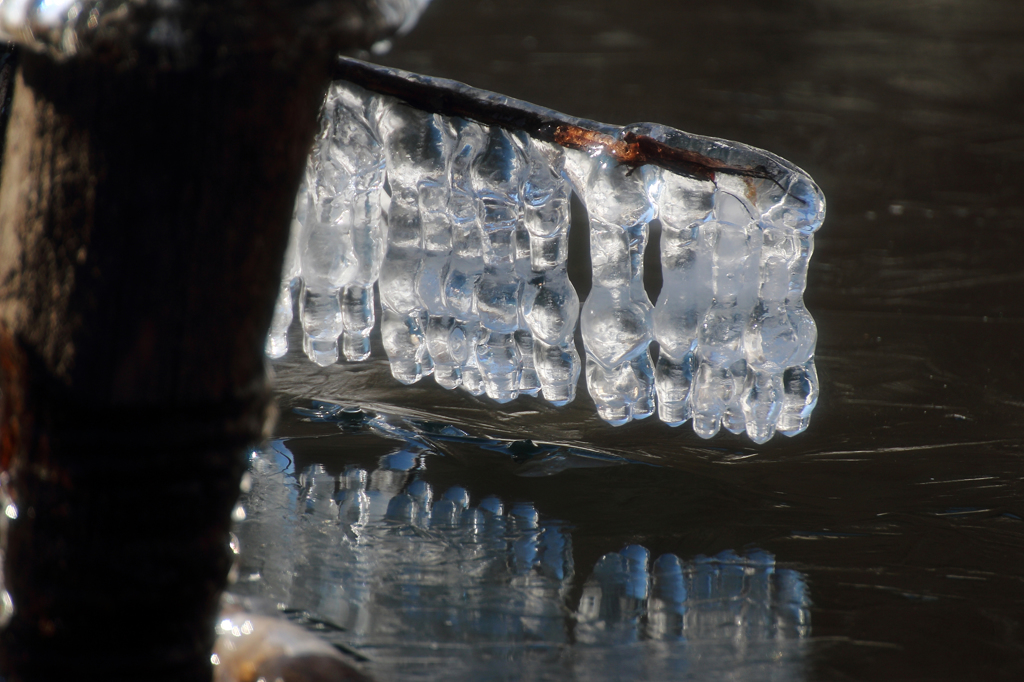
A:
(474, 284)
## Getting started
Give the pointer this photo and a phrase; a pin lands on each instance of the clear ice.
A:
(464, 227)
(413, 573)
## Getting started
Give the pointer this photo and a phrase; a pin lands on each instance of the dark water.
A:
(899, 512)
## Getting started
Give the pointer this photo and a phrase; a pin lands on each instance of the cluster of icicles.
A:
(463, 228)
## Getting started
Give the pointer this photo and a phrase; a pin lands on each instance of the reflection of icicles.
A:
(433, 548)
(726, 597)
(417, 573)
(474, 284)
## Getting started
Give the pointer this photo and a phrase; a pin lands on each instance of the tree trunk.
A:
(143, 219)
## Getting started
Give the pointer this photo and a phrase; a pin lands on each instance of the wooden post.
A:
(144, 209)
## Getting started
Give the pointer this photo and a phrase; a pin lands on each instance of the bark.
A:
(8, 64)
(143, 218)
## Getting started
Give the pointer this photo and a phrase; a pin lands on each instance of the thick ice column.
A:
(417, 147)
(798, 213)
(615, 320)
(496, 176)
(435, 222)
(800, 378)
(684, 206)
(529, 382)
(446, 248)
(277, 337)
(369, 233)
(457, 343)
(722, 369)
(549, 305)
(345, 176)
(735, 338)
(780, 333)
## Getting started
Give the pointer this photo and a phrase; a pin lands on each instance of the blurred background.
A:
(898, 512)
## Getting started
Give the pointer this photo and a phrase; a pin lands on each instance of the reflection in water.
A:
(437, 583)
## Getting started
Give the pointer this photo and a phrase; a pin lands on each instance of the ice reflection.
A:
(431, 583)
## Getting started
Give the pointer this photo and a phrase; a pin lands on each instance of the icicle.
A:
(615, 320)
(341, 239)
(466, 264)
(417, 147)
(549, 305)
(730, 320)
(277, 338)
(496, 180)
(474, 284)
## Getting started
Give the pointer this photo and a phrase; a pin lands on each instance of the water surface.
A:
(898, 513)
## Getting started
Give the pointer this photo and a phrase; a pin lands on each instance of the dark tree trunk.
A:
(8, 65)
(143, 218)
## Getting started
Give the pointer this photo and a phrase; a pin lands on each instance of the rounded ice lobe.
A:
(616, 334)
(551, 307)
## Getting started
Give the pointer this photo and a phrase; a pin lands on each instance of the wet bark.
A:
(143, 219)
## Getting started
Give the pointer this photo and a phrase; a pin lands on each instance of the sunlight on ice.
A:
(252, 646)
(464, 229)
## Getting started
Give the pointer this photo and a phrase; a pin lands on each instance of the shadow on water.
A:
(899, 510)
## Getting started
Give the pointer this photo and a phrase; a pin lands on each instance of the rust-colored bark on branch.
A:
(455, 99)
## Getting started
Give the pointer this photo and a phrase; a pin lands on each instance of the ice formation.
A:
(385, 556)
(464, 227)
(70, 28)
(461, 224)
